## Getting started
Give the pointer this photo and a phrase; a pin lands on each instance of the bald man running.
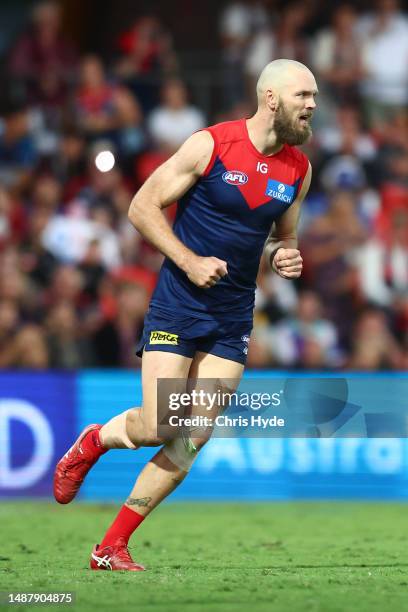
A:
(239, 186)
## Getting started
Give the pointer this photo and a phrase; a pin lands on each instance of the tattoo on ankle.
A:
(177, 481)
(142, 502)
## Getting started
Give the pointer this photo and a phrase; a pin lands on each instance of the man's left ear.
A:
(271, 100)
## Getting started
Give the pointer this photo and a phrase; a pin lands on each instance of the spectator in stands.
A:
(18, 154)
(328, 246)
(347, 156)
(68, 238)
(35, 260)
(174, 120)
(114, 340)
(105, 110)
(98, 210)
(344, 172)
(95, 100)
(373, 346)
(294, 338)
(384, 35)
(148, 55)
(14, 285)
(66, 347)
(391, 162)
(130, 138)
(46, 193)
(66, 286)
(28, 349)
(43, 60)
(239, 21)
(69, 164)
(12, 221)
(9, 319)
(93, 271)
(304, 339)
(383, 262)
(336, 56)
(110, 188)
(38, 263)
(284, 40)
(347, 136)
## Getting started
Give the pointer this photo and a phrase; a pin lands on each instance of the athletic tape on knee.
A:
(182, 452)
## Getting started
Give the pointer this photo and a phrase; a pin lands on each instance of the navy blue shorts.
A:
(185, 335)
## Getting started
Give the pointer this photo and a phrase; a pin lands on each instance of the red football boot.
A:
(73, 467)
(114, 558)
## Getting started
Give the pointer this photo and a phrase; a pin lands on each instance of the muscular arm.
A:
(164, 187)
(281, 245)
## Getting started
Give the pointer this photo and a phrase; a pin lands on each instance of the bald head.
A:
(286, 92)
(278, 74)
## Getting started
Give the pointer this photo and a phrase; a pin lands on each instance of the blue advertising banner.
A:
(245, 468)
(37, 424)
(41, 414)
(252, 468)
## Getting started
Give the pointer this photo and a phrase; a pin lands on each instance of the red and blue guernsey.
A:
(228, 214)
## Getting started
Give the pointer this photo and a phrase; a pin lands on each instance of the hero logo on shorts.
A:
(280, 191)
(235, 177)
(161, 337)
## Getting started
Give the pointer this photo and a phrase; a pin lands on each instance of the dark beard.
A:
(286, 131)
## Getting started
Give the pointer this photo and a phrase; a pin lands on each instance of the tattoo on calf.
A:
(141, 501)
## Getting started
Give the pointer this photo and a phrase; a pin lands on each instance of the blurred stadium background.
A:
(136, 79)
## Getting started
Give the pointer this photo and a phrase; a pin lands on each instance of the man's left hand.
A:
(287, 263)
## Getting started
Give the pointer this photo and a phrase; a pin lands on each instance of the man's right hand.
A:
(205, 272)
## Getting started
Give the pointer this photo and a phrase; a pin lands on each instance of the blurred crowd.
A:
(75, 277)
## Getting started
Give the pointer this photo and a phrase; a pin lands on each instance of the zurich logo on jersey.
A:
(280, 191)
(235, 177)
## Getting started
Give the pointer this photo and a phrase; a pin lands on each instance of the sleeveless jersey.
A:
(228, 214)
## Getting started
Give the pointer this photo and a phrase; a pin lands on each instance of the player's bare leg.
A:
(137, 426)
(95, 440)
(160, 476)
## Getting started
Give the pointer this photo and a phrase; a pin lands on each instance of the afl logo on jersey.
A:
(235, 177)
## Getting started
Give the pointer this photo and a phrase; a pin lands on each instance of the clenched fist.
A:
(287, 263)
(205, 272)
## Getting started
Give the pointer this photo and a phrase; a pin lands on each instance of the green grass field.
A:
(215, 557)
